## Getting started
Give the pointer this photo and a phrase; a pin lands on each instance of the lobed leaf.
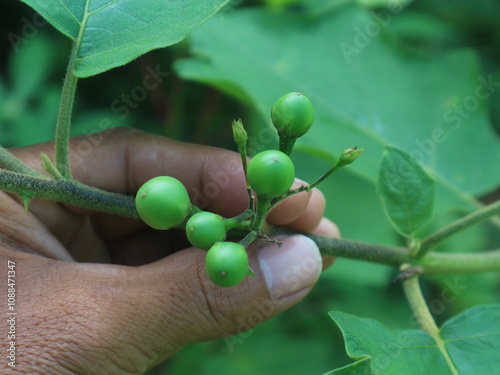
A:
(471, 339)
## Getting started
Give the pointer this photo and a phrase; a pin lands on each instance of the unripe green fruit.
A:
(270, 173)
(292, 115)
(162, 202)
(226, 263)
(204, 229)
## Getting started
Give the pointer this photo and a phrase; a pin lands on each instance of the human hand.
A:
(101, 294)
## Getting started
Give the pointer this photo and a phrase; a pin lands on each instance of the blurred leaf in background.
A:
(28, 101)
(365, 90)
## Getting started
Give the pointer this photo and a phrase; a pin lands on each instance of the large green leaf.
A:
(471, 339)
(111, 33)
(406, 190)
(376, 96)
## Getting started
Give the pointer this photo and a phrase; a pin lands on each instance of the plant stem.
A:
(460, 263)
(347, 157)
(240, 222)
(263, 203)
(10, 162)
(476, 217)
(249, 238)
(327, 174)
(417, 303)
(65, 191)
(75, 193)
(64, 117)
(419, 307)
(433, 263)
(392, 256)
(286, 144)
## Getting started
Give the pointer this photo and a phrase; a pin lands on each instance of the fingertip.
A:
(291, 269)
(311, 216)
(327, 228)
(291, 208)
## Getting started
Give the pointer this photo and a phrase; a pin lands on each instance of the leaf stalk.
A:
(476, 217)
(419, 307)
(64, 116)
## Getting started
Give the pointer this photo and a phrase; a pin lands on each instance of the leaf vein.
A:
(103, 7)
(67, 10)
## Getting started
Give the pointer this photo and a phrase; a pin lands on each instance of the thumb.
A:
(106, 319)
(200, 310)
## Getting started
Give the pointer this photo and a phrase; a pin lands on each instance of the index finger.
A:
(122, 159)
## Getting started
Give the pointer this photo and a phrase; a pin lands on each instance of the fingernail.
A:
(291, 269)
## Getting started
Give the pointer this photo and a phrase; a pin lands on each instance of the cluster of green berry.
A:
(163, 202)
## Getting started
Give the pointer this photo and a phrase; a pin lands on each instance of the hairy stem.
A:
(432, 263)
(460, 263)
(417, 303)
(483, 214)
(263, 206)
(325, 175)
(64, 116)
(249, 238)
(70, 192)
(419, 307)
(75, 193)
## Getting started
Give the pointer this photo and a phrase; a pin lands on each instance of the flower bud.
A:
(239, 133)
(349, 155)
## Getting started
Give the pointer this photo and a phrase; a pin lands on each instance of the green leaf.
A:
(471, 339)
(111, 33)
(406, 190)
(31, 66)
(371, 95)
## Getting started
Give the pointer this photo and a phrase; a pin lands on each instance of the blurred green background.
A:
(379, 72)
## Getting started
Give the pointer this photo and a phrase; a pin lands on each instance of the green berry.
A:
(292, 115)
(226, 263)
(162, 202)
(270, 173)
(204, 229)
